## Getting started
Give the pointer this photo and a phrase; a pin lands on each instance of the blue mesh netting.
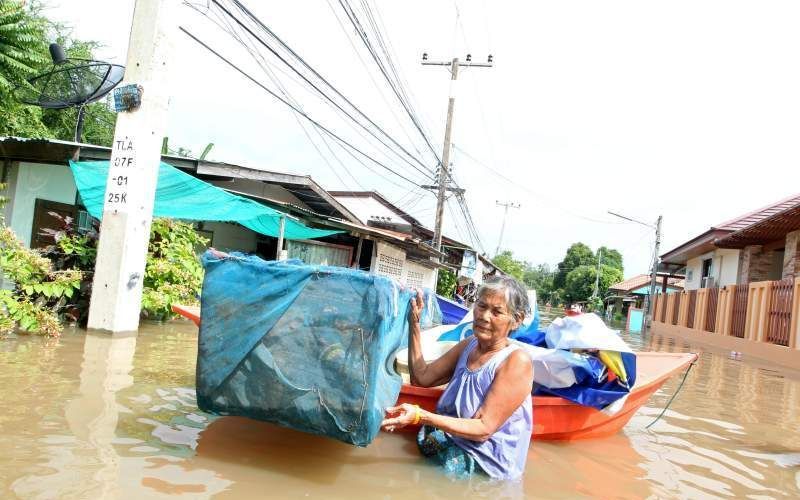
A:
(306, 347)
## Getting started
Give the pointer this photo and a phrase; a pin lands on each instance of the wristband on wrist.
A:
(417, 416)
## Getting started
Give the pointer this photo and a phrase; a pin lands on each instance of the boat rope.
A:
(686, 374)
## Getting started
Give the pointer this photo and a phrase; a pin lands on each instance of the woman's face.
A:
(492, 318)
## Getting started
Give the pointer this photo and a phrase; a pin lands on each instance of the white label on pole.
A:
(121, 169)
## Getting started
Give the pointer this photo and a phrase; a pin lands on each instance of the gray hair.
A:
(515, 294)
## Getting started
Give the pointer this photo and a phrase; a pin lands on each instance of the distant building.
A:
(632, 291)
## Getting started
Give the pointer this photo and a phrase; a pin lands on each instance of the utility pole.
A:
(444, 174)
(597, 276)
(503, 226)
(651, 296)
(133, 171)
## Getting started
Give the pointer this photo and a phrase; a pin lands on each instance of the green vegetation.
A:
(573, 280)
(446, 283)
(54, 285)
(173, 273)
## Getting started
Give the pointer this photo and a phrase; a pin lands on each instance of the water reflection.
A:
(98, 416)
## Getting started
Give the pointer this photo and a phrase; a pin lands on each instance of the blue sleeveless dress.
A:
(504, 454)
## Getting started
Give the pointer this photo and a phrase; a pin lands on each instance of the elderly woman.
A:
(483, 420)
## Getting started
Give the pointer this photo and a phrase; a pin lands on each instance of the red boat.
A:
(556, 418)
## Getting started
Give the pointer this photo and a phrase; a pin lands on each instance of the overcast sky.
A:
(686, 109)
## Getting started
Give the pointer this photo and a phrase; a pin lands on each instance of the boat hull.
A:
(556, 419)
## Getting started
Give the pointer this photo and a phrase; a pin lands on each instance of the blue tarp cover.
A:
(306, 347)
(181, 196)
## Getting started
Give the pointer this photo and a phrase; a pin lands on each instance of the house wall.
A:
(231, 237)
(724, 268)
(29, 181)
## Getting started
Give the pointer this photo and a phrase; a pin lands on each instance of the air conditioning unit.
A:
(707, 282)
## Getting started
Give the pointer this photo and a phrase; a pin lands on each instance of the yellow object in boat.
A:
(613, 361)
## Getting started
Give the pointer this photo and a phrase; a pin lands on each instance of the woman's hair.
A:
(515, 294)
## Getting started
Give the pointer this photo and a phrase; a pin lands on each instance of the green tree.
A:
(540, 278)
(578, 254)
(579, 285)
(611, 257)
(446, 283)
(22, 54)
(508, 264)
(22, 47)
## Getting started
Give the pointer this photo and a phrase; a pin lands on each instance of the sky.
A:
(685, 109)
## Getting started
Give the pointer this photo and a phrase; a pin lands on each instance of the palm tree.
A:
(21, 45)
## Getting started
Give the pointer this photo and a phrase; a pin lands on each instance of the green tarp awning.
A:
(181, 196)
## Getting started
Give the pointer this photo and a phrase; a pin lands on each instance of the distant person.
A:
(483, 421)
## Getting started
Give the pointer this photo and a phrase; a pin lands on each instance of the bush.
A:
(446, 283)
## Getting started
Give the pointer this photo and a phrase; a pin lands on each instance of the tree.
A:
(22, 48)
(446, 283)
(578, 254)
(611, 257)
(579, 283)
(508, 264)
(539, 278)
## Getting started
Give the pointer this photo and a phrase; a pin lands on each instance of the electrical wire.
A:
(294, 108)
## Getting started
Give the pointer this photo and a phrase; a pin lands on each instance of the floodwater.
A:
(93, 416)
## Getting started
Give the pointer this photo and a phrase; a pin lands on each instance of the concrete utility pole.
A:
(133, 172)
(503, 226)
(651, 296)
(444, 174)
(597, 276)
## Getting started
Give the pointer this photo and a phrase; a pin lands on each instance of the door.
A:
(43, 220)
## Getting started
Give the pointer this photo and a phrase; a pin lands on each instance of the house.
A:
(632, 291)
(40, 181)
(754, 309)
(707, 265)
(374, 210)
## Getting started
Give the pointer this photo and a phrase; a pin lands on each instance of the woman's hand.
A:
(417, 305)
(400, 416)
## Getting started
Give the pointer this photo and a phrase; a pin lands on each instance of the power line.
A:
(302, 61)
(294, 108)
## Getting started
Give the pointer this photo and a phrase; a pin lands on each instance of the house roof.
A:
(446, 241)
(303, 187)
(641, 280)
(765, 230)
(705, 242)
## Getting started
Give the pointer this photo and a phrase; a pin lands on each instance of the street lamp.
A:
(657, 227)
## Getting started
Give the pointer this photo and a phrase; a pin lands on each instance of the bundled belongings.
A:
(306, 347)
(577, 358)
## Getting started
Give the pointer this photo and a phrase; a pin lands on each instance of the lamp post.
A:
(657, 227)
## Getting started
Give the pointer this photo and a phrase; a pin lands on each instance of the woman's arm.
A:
(437, 372)
(512, 383)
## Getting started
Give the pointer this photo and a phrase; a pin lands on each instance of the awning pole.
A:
(278, 255)
(357, 259)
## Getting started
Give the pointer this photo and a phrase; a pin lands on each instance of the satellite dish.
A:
(71, 83)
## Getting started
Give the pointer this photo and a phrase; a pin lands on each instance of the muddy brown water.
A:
(94, 416)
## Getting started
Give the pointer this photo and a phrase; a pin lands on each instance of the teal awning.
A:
(181, 196)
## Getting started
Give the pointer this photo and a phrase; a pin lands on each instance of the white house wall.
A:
(724, 268)
(29, 181)
(231, 237)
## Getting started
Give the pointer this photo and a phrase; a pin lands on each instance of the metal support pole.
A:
(133, 172)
